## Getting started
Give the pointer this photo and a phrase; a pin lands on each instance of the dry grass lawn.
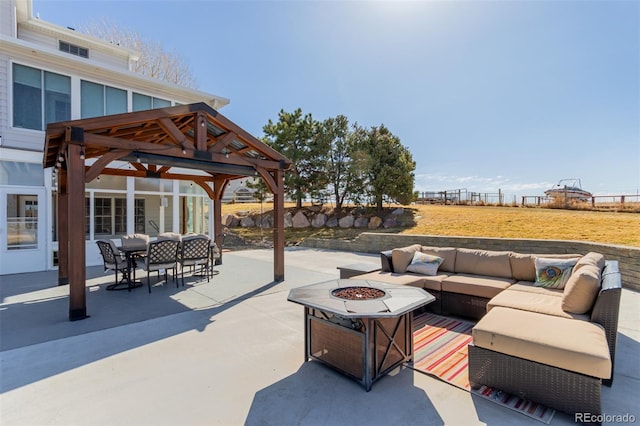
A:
(539, 223)
(484, 221)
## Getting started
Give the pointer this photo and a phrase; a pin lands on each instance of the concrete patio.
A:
(227, 352)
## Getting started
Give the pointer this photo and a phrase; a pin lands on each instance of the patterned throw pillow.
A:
(553, 273)
(424, 264)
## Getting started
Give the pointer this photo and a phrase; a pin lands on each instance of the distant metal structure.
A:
(460, 196)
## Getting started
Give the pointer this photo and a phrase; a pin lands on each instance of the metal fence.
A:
(460, 196)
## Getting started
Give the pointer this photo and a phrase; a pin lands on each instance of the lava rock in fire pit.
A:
(358, 293)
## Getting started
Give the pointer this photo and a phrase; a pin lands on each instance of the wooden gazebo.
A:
(193, 137)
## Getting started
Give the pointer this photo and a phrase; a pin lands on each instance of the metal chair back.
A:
(162, 254)
(195, 252)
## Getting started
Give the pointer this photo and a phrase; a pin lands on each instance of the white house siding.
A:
(4, 97)
(7, 25)
(107, 65)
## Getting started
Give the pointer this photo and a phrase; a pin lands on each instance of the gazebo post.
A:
(63, 228)
(278, 227)
(76, 258)
(218, 235)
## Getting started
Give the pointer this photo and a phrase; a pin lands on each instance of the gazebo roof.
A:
(193, 136)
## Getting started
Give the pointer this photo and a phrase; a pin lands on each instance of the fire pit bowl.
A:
(358, 293)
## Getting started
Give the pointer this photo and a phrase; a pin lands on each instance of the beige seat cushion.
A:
(483, 262)
(579, 346)
(434, 282)
(530, 287)
(401, 257)
(414, 280)
(581, 290)
(447, 253)
(475, 285)
(523, 267)
(533, 302)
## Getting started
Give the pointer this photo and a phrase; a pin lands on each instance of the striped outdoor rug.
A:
(440, 350)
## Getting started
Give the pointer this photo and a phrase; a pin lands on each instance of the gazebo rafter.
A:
(192, 137)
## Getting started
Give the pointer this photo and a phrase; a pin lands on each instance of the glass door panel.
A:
(22, 237)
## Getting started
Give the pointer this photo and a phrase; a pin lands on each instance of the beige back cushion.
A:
(591, 258)
(169, 236)
(523, 265)
(135, 240)
(581, 290)
(401, 257)
(483, 262)
(447, 253)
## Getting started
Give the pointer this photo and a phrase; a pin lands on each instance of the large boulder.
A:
(332, 222)
(265, 221)
(300, 220)
(247, 222)
(346, 222)
(389, 223)
(288, 220)
(375, 222)
(398, 211)
(319, 220)
(361, 222)
(230, 220)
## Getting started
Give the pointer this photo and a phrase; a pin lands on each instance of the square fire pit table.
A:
(362, 328)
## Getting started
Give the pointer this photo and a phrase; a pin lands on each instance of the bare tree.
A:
(154, 60)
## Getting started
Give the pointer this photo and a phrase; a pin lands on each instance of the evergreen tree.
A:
(390, 167)
(295, 136)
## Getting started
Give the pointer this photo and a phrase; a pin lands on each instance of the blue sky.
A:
(487, 95)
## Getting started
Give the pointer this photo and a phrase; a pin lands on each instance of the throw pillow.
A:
(424, 264)
(553, 273)
(401, 257)
(581, 290)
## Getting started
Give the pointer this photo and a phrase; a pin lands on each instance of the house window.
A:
(139, 216)
(83, 52)
(102, 216)
(143, 102)
(97, 100)
(33, 107)
(110, 216)
(121, 215)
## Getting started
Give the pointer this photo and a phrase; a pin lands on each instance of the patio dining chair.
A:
(113, 259)
(161, 256)
(194, 253)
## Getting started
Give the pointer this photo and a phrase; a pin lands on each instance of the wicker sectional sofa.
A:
(553, 346)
